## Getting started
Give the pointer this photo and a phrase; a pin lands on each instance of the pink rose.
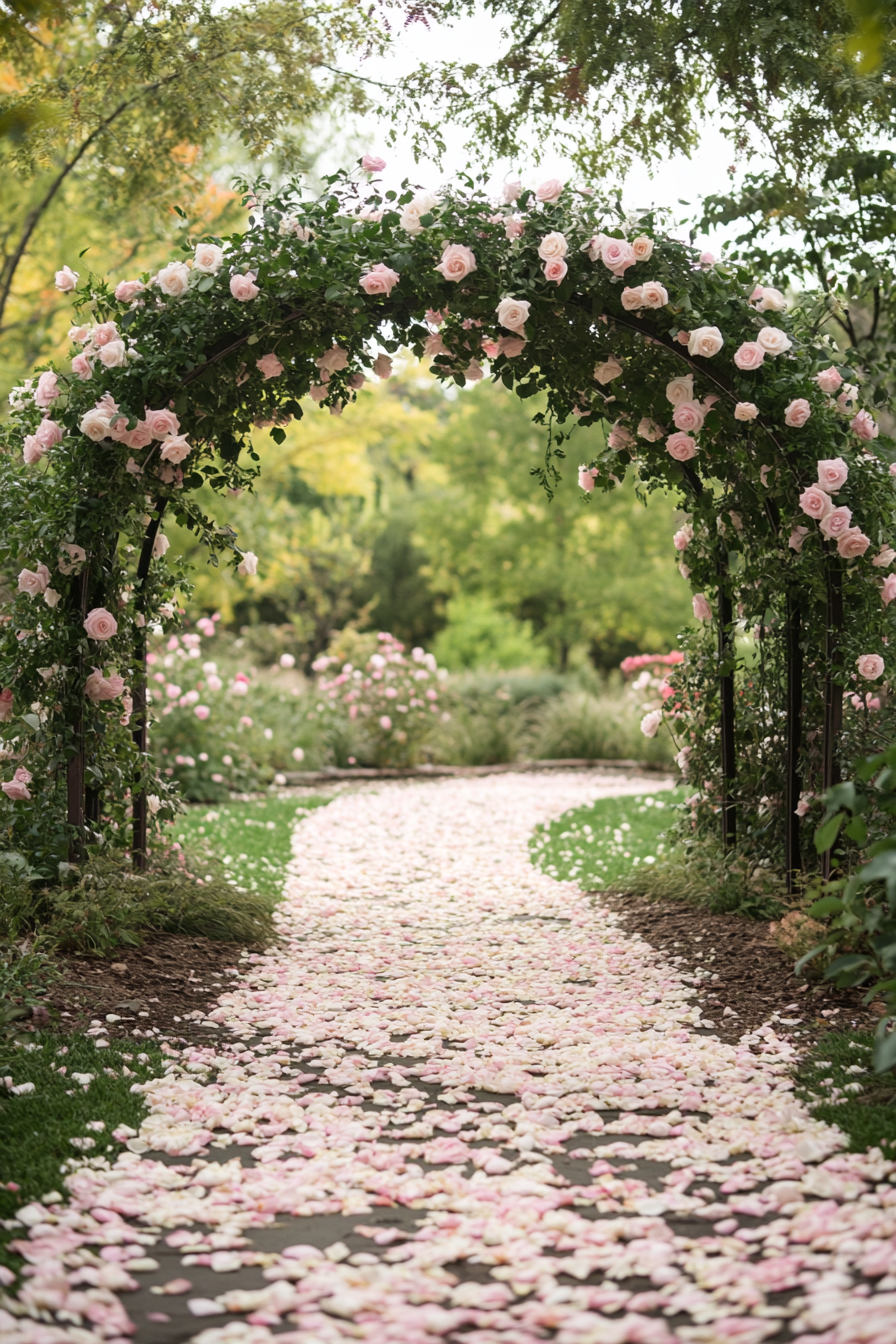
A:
(100, 624)
(513, 227)
(549, 191)
(6, 705)
(510, 192)
(702, 609)
(32, 449)
(797, 537)
(863, 425)
(16, 790)
(642, 247)
(853, 543)
(749, 355)
(385, 722)
(243, 287)
(513, 314)
(745, 410)
(632, 298)
(797, 413)
(511, 346)
(208, 258)
(434, 346)
(332, 360)
(270, 366)
(836, 522)
(651, 722)
(318, 392)
(114, 355)
(161, 424)
(653, 294)
(202, 711)
(104, 333)
(619, 437)
(815, 502)
(66, 280)
(82, 367)
(175, 449)
(457, 262)
(48, 433)
(47, 389)
(174, 279)
(707, 259)
(848, 398)
(773, 341)
(70, 558)
(372, 164)
(554, 271)
(683, 537)
(688, 415)
(138, 437)
(34, 582)
(649, 429)
(680, 389)
(871, 666)
(552, 246)
(98, 688)
(681, 446)
(586, 482)
(832, 474)
(606, 372)
(382, 366)
(885, 556)
(617, 255)
(888, 591)
(126, 290)
(705, 341)
(829, 380)
(379, 280)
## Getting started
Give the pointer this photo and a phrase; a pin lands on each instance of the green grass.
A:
(600, 844)
(252, 840)
(36, 1127)
(868, 1113)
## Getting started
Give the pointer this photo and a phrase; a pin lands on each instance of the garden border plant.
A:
(710, 390)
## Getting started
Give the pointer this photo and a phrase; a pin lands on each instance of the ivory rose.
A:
(642, 246)
(371, 163)
(160, 546)
(457, 262)
(422, 204)
(162, 423)
(174, 279)
(771, 300)
(745, 410)
(705, 341)
(836, 522)
(797, 537)
(832, 474)
(555, 271)
(95, 424)
(382, 366)
(553, 245)
(66, 280)
(617, 255)
(6, 705)
(852, 544)
(97, 687)
(649, 429)
(104, 333)
(379, 279)
(651, 722)
(510, 192)
(47, 390)
(34, 582)
(829, 380)
(797, 413)
(100, 624)
(749, 356)
(816, 502)
(680, 389)
(888, 591)
(606, 372)
(688, 415)
(773, 341)
(653, 294)
(208, 258)
(632, 298)
(681, 446)
(870, 665)
(702, 609)
(513, 314)
(16, 789)
(82, 367)
(114, 355)
(127, 290)
(549, 191)
(243, 287)
(248, 564)
(175, 449)
(864, 426)
(269, 366)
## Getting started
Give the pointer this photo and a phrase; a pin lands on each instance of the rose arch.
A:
(704, 381)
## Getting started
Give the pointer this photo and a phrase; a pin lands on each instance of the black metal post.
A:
(793, 788)
(726, 696)
(140, 715)
(833, 691)
(76, 770)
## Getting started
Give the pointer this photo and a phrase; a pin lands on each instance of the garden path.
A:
(457, 1102)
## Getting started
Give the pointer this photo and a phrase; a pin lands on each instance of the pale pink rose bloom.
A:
(243, 287)
(684, 570)
(47, 389)
(104, 333)
(745, 410)
(15, 790)
(885, 556)
(549, 191)
(114, 355)
(617, 255)
(702, 609)
(76, 556)
(162, 424)
(214, 682)
(832, 474)
(642, 247)
(511, 346)
(133, 468)
(356, 381)
(6, 705)
(680, 389)
(632, 298)
(649, 429)
(513, 227)
(594, 246)
(653, 294)
(797, 537)
(457, 262)
(138, 437)
(100, 624)
(888, 591)
(619, 437)
(829, 380)
(511, 191)
(434, 346)
(435, 317)
(513, 314)
(651, 722)
(864, 426)
(32, 449)
(382, 366)
(553, 245)
(49, 433)
(82, 367)
(98, 688)
(797, 413)
(175, 449)
(126, 290)
(270, 366)
(332, 360)
(248, 564)
(847, 398)
(202, 711)
(385, 722)
(318, 392)
(586, 482)
(816, 502)
(688, 415)
(756, 295)
(802, 807)
(852, 544)
(174, 279)
(836, 522)
(606, 372)
(773, 341)
(763, 476)
(208, 258)
(80, 334)
(871, 666)
(771, 300)
(683, 537)
(66, 280)
(681, 446)
(34, 582)
(749, 355)
(683, 337)
(379, 279)
(707, 259)
(705, 341)
(555, 271)
(473, 372)
(51, 597)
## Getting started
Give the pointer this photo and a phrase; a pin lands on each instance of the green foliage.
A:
(251, 840)
(601, 844)
(27, 973)
(698, 870)
(835, 1079)
(479, 635)
(582, 725)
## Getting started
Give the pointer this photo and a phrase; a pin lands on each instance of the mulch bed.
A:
(169, 983)
(755, 978)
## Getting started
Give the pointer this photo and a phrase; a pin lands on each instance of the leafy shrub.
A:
(702, 872)
(580, 726)
(479, 635)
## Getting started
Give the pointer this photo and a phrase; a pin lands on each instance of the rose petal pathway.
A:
(454, 1042)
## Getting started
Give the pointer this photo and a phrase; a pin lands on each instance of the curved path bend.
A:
(456, 1102)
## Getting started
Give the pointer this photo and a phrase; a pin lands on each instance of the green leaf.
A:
(884, 1055)
(32, 720)
(857, 830)
(828, 832)
(809, 956)
(828, 905)
(278, 434)
(204, 283)
(333, 292)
